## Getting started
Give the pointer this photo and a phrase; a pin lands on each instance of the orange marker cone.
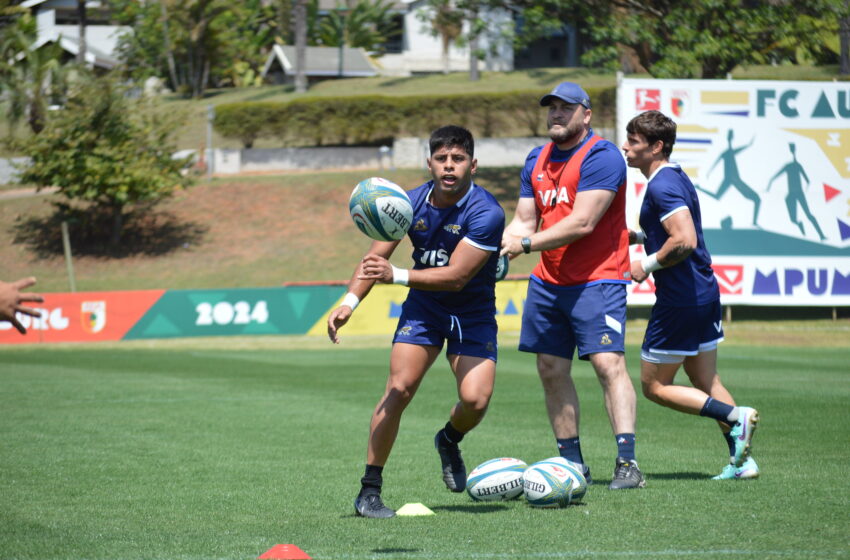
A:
(284, 552)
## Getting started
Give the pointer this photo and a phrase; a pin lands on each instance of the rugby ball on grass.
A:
(496, 480)
(380, 209)
(575, 472)
(548, 484)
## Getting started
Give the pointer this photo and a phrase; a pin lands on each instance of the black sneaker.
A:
(454, 471)
(626, 475)
(371, 505)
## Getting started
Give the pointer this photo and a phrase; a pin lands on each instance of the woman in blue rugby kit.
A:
(456, 232)
(685, 325)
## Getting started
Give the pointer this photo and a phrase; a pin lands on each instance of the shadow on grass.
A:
(473, 508)
(396, 550)
(146, 232)
(679, 476)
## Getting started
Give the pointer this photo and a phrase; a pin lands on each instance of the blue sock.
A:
(718, 410)
(570, 449)
(730, 441)
(626, 446)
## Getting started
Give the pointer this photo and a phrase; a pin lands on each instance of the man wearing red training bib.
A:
(572, 209)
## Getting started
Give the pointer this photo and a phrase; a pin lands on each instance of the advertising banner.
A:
(379, 313)
(82, 317)
(251, 311)
(771, 164)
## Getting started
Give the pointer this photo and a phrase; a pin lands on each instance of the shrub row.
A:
(375, 119)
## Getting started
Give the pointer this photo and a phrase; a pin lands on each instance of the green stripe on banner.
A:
(254, 311)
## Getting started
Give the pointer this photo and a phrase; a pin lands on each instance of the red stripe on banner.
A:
(82, 317)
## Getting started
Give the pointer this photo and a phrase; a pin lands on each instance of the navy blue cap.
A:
(569, 93)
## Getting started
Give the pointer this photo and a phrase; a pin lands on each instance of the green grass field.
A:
(224, 448)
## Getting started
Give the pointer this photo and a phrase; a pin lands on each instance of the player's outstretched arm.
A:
(11, 299)
(358, 288)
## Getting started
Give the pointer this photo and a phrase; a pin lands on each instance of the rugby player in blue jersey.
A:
(685, 324)
(456, 232)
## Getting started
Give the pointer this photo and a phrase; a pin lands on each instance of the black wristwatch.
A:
(526, 245)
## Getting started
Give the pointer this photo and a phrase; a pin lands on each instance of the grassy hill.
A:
(228, 232)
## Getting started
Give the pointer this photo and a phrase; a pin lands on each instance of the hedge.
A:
(377, 119)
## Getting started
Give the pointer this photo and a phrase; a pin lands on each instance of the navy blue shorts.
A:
(465, 335)
(681, 331)
(558, 319)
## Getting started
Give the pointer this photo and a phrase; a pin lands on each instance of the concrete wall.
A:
(405, 153)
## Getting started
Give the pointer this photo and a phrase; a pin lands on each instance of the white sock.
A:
(734, 415)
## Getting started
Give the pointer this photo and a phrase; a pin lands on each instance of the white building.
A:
(422, 51)
(57, 22)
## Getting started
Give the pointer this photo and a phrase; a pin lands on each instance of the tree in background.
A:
(190, 32)
(844, 40)
(31, 78)
(105, 152)
(300, 31)
(685, 39)
(365, 24)
(446, 22)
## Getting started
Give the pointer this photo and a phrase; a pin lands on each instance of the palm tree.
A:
(30, 77)
(448, 24)
(81, 16)
(300, 19)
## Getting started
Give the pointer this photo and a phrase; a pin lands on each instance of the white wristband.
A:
(351, 301)
(650, 263)
(400, 276)
(640, 237)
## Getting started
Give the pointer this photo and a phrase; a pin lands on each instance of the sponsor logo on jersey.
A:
(452, 228)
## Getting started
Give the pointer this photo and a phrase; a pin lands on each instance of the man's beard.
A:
(569, 133)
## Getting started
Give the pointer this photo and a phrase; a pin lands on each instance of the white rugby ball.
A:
(547, 484)
(576, 473)
(380, 209)
(496, 480)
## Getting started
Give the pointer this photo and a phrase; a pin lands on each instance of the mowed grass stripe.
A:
(205, 453)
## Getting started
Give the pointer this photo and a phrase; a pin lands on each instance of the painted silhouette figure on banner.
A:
(796, 195)
(731, 177)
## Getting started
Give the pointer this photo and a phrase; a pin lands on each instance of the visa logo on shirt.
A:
(552, 197)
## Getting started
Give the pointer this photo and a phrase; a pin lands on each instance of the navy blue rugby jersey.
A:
(692, 281)
(477, 219)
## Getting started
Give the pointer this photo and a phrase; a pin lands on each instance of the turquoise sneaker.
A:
(730, 472)
(742, 432)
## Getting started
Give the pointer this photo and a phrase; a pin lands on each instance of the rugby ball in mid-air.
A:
(496, 480)
(575, 472)
(548, 484)
(381, 209)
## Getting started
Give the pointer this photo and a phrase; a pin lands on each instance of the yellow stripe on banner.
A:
(725, 97)
(696, 128)
(375, 314)
(691, 172)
